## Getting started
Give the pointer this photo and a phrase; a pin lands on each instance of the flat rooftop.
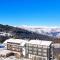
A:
(22, 42)
(19, 41)
(40, 42)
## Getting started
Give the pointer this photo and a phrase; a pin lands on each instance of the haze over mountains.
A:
(50, 31)
(28, 32)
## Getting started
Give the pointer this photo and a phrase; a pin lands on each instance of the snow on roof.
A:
(47, 43)
(40, 42)
(20, 41)
(35, 41)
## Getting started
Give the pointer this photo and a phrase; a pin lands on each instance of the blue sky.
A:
(30, 12)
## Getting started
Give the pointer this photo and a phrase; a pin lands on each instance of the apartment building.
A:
(16, 46)
(33, 49)
(39, 50)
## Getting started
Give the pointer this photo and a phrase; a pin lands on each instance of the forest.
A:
(21, 34)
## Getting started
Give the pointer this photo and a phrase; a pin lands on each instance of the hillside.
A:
(16, 32)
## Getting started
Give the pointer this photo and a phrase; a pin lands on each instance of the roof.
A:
(40, 42)
(20, 41)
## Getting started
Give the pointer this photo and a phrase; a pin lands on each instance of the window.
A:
(45, 50)
(44, 54)
(13, 49)
(27, 48)
(30, 45)
(26, 51)
(39, 49)
(34, 49)
(40, 58)
(35, 53)
(44, 59)
(39, 53)
(39, 46)
(26, 45)
(45, 47)
(9, 46)
(30, 48)
(30, 52)
(34, 45)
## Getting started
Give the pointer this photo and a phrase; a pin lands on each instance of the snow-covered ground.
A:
(12, 58)
(5, 34)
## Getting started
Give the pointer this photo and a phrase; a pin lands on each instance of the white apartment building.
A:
(39, 50)
(16, 45)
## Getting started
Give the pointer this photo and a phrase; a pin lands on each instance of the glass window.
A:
(34, 52)
(30, 52)
(45, 47)
(26, 45)
(26, 51)
(44, 59)
(44, 54)
(30, 48)
(34, 49)
(39, 49)
(40, 58)
(44, 50)
(39, 53)
(34, 45)
(30, 45)
(39, 46)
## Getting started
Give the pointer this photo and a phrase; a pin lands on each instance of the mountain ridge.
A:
(21, 33)
(50, 31)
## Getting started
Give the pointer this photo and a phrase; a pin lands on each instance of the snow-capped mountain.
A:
(50, 31)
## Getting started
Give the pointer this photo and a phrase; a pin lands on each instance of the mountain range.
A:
(49, 31)
(28, 32)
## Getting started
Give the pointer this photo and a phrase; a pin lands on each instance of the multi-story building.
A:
(16, 46)
(34, 49)
(39, 50)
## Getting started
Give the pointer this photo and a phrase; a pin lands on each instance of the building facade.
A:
(39, 50)
(33, 49)
(16, 45)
